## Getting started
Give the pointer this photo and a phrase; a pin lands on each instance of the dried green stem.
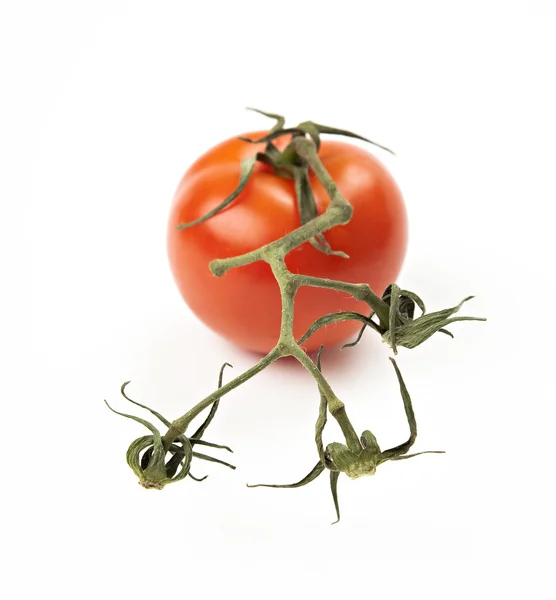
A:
(335, 406)
(179, 426)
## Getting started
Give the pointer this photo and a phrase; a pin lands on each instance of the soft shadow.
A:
(348, 363)
(175, 362)
(334, 359)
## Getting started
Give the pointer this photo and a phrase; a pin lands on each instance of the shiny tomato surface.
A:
(244, 304)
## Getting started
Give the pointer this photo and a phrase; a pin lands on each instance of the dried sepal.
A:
(352, 464)
(280, 120)
(343, 132)
(157, 463)
(203, 427)
(311, 476)
(402, 329)
(308, 209)
(412, 333)
(334, 476)
(337, 318)
(322, 417)
(246, 170)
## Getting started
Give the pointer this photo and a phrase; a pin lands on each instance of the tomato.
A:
(244, 305)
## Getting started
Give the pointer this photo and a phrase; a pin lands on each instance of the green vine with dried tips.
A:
(158, 460)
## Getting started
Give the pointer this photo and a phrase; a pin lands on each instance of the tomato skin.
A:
(244, 305)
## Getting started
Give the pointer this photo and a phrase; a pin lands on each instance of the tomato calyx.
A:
(148, 455)
(310, 128)
(356, 458)
(287, 163)
(400, 328)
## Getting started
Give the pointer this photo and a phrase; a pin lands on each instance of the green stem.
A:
(360, 291)
(289, 284)
(335, 215)
(335, 405)
(288, 289)
(179, 426)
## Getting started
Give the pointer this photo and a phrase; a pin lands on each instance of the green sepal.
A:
(134, 451)
(280, 120)
(352, 464)
(403, 457)
(212, 459)
(334, 475)
(410, 415)
(322, 417)
(160, 417)
(149, 467)
(147, 424)
(210, 444)
(413, 333)
(246, 170)
(315, 472)
(176, 459)
(203, 427)
(312, 130)
(405, 302)
(336, 318)
(273, 135)
(341, 456)
(400, 452)
(155, 475)
(308, 210)
(334, 131)
(146, 456)
(359, 335)
(368, 440)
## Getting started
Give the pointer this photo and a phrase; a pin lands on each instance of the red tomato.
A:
(244, 305)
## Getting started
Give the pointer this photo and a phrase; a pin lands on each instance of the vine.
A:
(158, 460)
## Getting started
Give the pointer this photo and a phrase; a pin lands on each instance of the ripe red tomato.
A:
(244, 305)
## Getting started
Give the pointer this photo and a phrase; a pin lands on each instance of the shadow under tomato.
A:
(334, 360)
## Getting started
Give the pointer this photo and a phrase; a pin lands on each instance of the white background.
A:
(104, 105)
